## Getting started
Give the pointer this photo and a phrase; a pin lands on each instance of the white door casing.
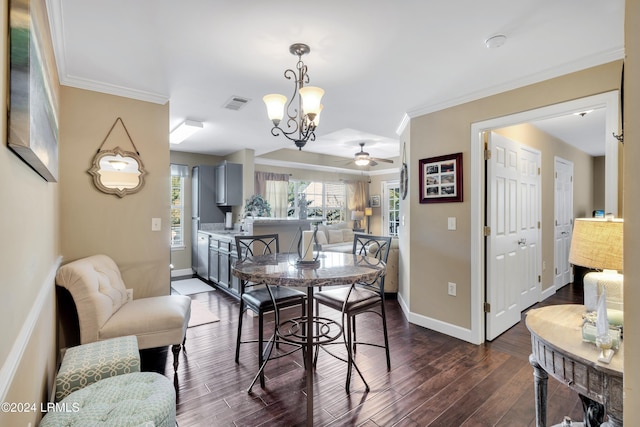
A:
(513, 215)
(609, 100)
(563, 221)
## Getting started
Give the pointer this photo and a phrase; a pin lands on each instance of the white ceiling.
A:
(379, 62)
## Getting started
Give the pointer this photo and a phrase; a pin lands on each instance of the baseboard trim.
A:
(436, 325)
(182, 273)
(10, 366)
(551, 290)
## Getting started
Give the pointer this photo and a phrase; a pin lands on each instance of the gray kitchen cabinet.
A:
(229, 184)
(214, 271)
(223, 263)
(222, 255)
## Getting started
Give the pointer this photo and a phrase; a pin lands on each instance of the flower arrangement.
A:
(257, 206)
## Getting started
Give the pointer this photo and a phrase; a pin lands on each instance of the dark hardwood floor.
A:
(435, 380)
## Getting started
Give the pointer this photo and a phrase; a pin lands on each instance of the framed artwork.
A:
(441, 179)
(375, 201)
(33, 98)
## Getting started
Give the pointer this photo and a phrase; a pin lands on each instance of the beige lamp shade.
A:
(275, 106)
(311, 97)
(597, 243)
(357, 215)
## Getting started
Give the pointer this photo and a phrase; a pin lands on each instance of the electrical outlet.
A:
(544, 265)
(452, 289)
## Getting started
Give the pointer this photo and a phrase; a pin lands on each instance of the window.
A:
(178, 174)
(324, 200)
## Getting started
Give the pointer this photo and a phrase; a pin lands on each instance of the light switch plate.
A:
(451, 223)
(156, 224)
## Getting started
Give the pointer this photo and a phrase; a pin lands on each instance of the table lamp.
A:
(356, 217)
(597, 244)
(368, 212)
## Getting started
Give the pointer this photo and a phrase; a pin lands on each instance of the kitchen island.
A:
(285, 228)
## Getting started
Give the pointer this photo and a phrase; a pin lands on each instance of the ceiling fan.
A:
(362, 158)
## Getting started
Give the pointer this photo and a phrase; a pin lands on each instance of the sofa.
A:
(339, 238)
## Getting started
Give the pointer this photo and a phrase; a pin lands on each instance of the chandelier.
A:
(303, 118)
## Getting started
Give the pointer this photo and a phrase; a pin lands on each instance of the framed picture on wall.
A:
(441, 179)
(33, 96)
(375, 201)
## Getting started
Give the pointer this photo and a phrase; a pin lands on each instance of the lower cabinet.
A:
(223, 264)
(222, 255)
(214, 270)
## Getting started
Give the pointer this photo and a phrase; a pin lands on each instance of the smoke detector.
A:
(496, 41)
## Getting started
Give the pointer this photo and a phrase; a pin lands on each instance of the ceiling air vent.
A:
(236, 103)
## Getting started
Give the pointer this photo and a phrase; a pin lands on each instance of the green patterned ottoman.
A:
(137, 399)
(85, 364)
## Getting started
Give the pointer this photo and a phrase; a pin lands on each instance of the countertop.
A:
(281, 221)
(224, 235)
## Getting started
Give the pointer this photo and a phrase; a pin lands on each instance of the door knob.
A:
(522, 242)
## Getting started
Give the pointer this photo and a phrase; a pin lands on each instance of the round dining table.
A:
(330, 269)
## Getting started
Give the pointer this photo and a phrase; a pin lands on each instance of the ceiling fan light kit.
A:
(302, 120)
(362, 158)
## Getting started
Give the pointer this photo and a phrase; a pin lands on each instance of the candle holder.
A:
(605, 343)
(308, 247)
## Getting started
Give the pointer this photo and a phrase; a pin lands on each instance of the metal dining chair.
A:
(257, 298)
(360, 298)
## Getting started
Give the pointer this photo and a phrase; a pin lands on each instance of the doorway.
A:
(390, 208)
(610, 101)
(563, 221)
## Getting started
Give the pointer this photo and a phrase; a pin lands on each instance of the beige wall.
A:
(29, 256)
(632, 213)
(92, 222)
(582, 184)
(443, 256)
(598, 183)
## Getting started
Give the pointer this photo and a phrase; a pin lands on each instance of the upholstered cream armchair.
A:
(104, 311)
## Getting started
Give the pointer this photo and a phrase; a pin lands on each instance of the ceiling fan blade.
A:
(381, 160)
(372, 162)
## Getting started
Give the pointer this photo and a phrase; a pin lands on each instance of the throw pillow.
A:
(347, 235)
(335, 236)
(321, 237)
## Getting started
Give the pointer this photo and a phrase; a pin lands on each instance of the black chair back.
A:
(376, 247)
(257, 245)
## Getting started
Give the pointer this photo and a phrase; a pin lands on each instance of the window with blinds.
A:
(178, 175)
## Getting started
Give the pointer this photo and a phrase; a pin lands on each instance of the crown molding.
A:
(56, 24)
(561, 70)
(321, 168)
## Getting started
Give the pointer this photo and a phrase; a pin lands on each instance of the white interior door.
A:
(563, 224)
(513, 249)
(529, 213)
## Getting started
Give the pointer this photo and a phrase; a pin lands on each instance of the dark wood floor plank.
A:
(434, 379)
